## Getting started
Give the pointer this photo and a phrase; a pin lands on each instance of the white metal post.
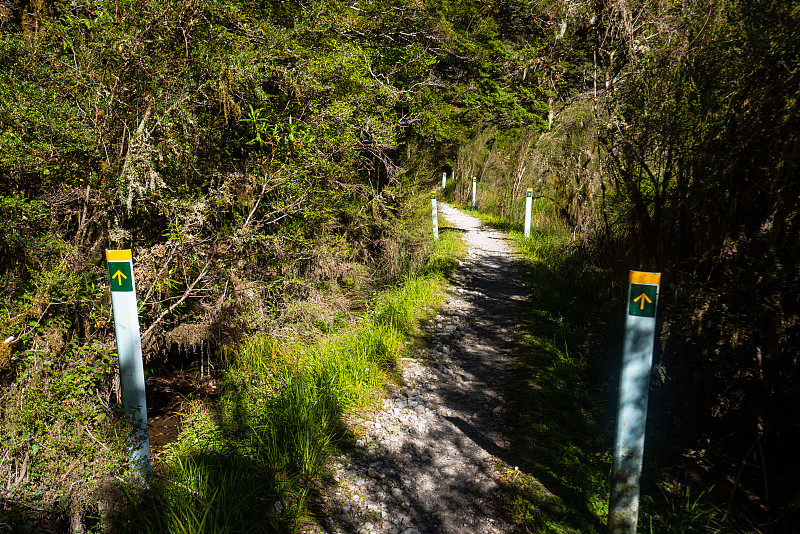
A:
(474, 190)
(129, 349)
(434, 216)
(528, 202)
(634, 386)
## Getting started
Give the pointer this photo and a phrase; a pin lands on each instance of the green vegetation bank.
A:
(263, 158)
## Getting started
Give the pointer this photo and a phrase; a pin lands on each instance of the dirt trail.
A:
(429, 460)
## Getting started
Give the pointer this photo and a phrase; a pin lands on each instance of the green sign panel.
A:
(642, 301)
(120, 275)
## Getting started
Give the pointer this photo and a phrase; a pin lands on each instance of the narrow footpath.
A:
(428, 461)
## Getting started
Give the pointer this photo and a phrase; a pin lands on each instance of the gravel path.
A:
(428, 461)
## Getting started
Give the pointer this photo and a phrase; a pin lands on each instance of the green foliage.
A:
(60, 438)
(250, 153)
(672, 148)
(701, 162)
(44, 140)
(23, 240)
(191, 131)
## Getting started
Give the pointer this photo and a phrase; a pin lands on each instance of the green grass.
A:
(254, 461)
(444, 250)
(680, 510)
(560, 440)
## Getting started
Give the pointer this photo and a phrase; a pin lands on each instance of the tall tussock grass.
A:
(400, 310)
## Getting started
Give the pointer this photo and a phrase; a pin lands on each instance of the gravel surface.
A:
(428, 461)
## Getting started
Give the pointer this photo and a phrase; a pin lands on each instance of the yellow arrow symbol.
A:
(643, 298)
(120, 275)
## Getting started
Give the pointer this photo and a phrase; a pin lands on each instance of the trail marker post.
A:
(444, 180)
(434, 216)
(129, 350)
(474, 190)
(634, 385)
(528, 202)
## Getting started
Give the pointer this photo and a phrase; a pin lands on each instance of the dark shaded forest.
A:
(252, 153)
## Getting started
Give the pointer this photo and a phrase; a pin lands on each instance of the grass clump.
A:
(441, 258)
(681, 510)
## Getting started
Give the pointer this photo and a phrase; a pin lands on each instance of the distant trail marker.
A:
(129, 349)
(434, 216)
(634, 385)
(474, 190)
(528, 202)
(444, 180)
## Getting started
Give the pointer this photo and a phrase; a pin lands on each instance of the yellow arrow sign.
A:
(642, 298)
(119, 276)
